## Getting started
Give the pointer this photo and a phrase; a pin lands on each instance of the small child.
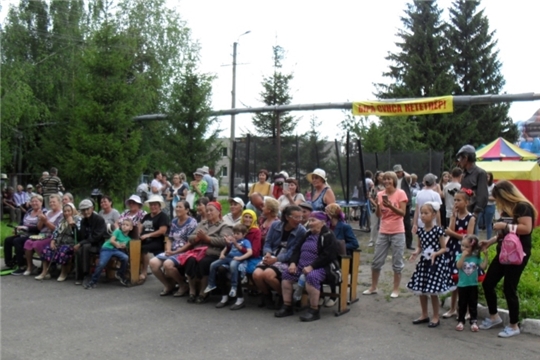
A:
(432, 275)
(468, 263)
(115, 246)
(237, 250)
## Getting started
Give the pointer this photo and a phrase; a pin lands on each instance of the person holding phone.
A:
(391, 207)
(291, 194)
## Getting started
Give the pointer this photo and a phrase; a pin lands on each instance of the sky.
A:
(335, 50)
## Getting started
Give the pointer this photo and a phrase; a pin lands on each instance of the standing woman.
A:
(165, 265)
(321, 195)
(269, 215)
(445, 179)
(211, 234)
(152, 230)
(108, 213)
(262, 186)
(292, 195)
(177, 191)
(60, 250)
(198, 185)
(391, 207)
(48, 223)
(512, 205)
(374, 220)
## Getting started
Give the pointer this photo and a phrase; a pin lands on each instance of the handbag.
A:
(197, 253)
(190, 198)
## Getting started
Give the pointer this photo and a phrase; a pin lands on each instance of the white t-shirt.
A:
(449, 189)
(284, 201)
(490, 191)
(423, 197)
(156, 184)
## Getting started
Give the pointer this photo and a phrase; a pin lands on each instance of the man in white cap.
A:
(210, 183)
(403, 184)
(92, 236)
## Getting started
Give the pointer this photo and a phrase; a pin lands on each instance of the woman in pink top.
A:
(391, 205)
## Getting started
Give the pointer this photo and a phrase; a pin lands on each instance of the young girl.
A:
(432, 274)
(461, 224)
(468, 263)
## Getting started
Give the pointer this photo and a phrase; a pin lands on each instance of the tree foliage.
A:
(276, 91)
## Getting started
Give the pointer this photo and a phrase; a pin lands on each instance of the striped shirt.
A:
(51, 185)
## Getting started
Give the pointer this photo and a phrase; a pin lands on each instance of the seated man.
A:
(22, 200)
(93, 232)
(256, 203)
(9, 205)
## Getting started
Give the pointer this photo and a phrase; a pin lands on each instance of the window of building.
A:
(223, 171)
(224, 151)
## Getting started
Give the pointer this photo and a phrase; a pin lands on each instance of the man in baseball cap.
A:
(473, 178)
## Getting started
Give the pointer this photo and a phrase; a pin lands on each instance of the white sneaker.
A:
(488, 323)
(509, 332)
(329, 302)
(370, 244)
(27, 272)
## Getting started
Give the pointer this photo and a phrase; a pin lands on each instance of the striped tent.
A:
(503, 150)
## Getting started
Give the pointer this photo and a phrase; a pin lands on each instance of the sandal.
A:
(202, 299)
(459, 327)
(182, 291)
(474, 327)
(142, 279)
(166, 292)
(449, 314)
(191, 299)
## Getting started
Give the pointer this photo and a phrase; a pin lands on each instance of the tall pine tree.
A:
(477, 70)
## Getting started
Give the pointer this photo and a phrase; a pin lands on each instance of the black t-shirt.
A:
(522, 209)
(151, 224)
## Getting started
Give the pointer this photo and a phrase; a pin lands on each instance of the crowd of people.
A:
(279, 241)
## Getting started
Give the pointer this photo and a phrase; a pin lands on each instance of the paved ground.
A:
(51, 320)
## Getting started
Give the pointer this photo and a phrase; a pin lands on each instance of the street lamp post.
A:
(233, 120)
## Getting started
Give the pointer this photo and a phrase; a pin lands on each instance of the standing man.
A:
(51, 184)
(210, 188)
(156, 184)
(403, 184)
(474, 178)
(93, 232)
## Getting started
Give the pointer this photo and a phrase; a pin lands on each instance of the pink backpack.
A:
(511, 249)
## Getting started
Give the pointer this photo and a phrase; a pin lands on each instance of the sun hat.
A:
(205, 169)
(237, 200)
(85, 204)
(319, 172)
(135, 199)
(398, 168)
(154, 198)
(29, 186)
(199, 171)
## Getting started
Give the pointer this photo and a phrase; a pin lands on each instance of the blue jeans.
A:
(104, 256)
(233, 268)
(487, 215)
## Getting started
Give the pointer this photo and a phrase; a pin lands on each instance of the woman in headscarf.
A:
(209, 239)
(249, 219)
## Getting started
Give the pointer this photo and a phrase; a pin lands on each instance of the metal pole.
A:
(339, 167)
(246, 169)
(278, 140)
(347, 170)
(233, 120)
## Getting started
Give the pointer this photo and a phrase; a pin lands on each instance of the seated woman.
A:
(48, 223)
(249, 219)
(322, 194)
(60, 250)
(236, 206)
(110, 214)
(67, 198)
(210, 234)
(29, 227)
(134, 212)
(200, 209)
(262, 186)
(291, 194)
(164, 266)
(341, 229)
(152, 232)
(312, 257)
(269, 215)
(278, 247)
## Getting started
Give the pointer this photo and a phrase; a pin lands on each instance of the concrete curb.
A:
(528, 326)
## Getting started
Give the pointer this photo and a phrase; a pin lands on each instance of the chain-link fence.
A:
(299, 156)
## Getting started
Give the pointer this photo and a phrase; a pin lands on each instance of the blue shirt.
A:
(344, 231)
(234, 250)
(210, 183)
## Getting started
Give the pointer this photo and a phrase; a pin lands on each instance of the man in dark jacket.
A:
(93, 231)
(474, 178)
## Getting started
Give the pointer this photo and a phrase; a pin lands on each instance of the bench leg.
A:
(353, 296)
(343, 287)
(134, 260)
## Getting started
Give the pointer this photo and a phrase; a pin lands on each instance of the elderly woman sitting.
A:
(134, 211)
(235, 215)
(269, 215)
(312, 258)
(341, 229)
(208, 240)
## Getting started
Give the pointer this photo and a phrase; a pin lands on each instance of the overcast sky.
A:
(335, 49)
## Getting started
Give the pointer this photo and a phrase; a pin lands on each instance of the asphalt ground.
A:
(51, 320)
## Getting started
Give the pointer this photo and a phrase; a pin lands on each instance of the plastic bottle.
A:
(300, 289)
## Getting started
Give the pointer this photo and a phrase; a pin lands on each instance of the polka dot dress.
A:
(453, 247)
(430, 279)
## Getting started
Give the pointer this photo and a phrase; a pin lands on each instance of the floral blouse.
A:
(178, 234)
(135, 218)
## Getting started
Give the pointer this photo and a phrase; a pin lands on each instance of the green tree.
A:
(192, 133)
(276, 91)
(477, 70)
(422, 68)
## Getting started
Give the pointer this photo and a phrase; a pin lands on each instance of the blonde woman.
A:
(269, 214)
(515, 210)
